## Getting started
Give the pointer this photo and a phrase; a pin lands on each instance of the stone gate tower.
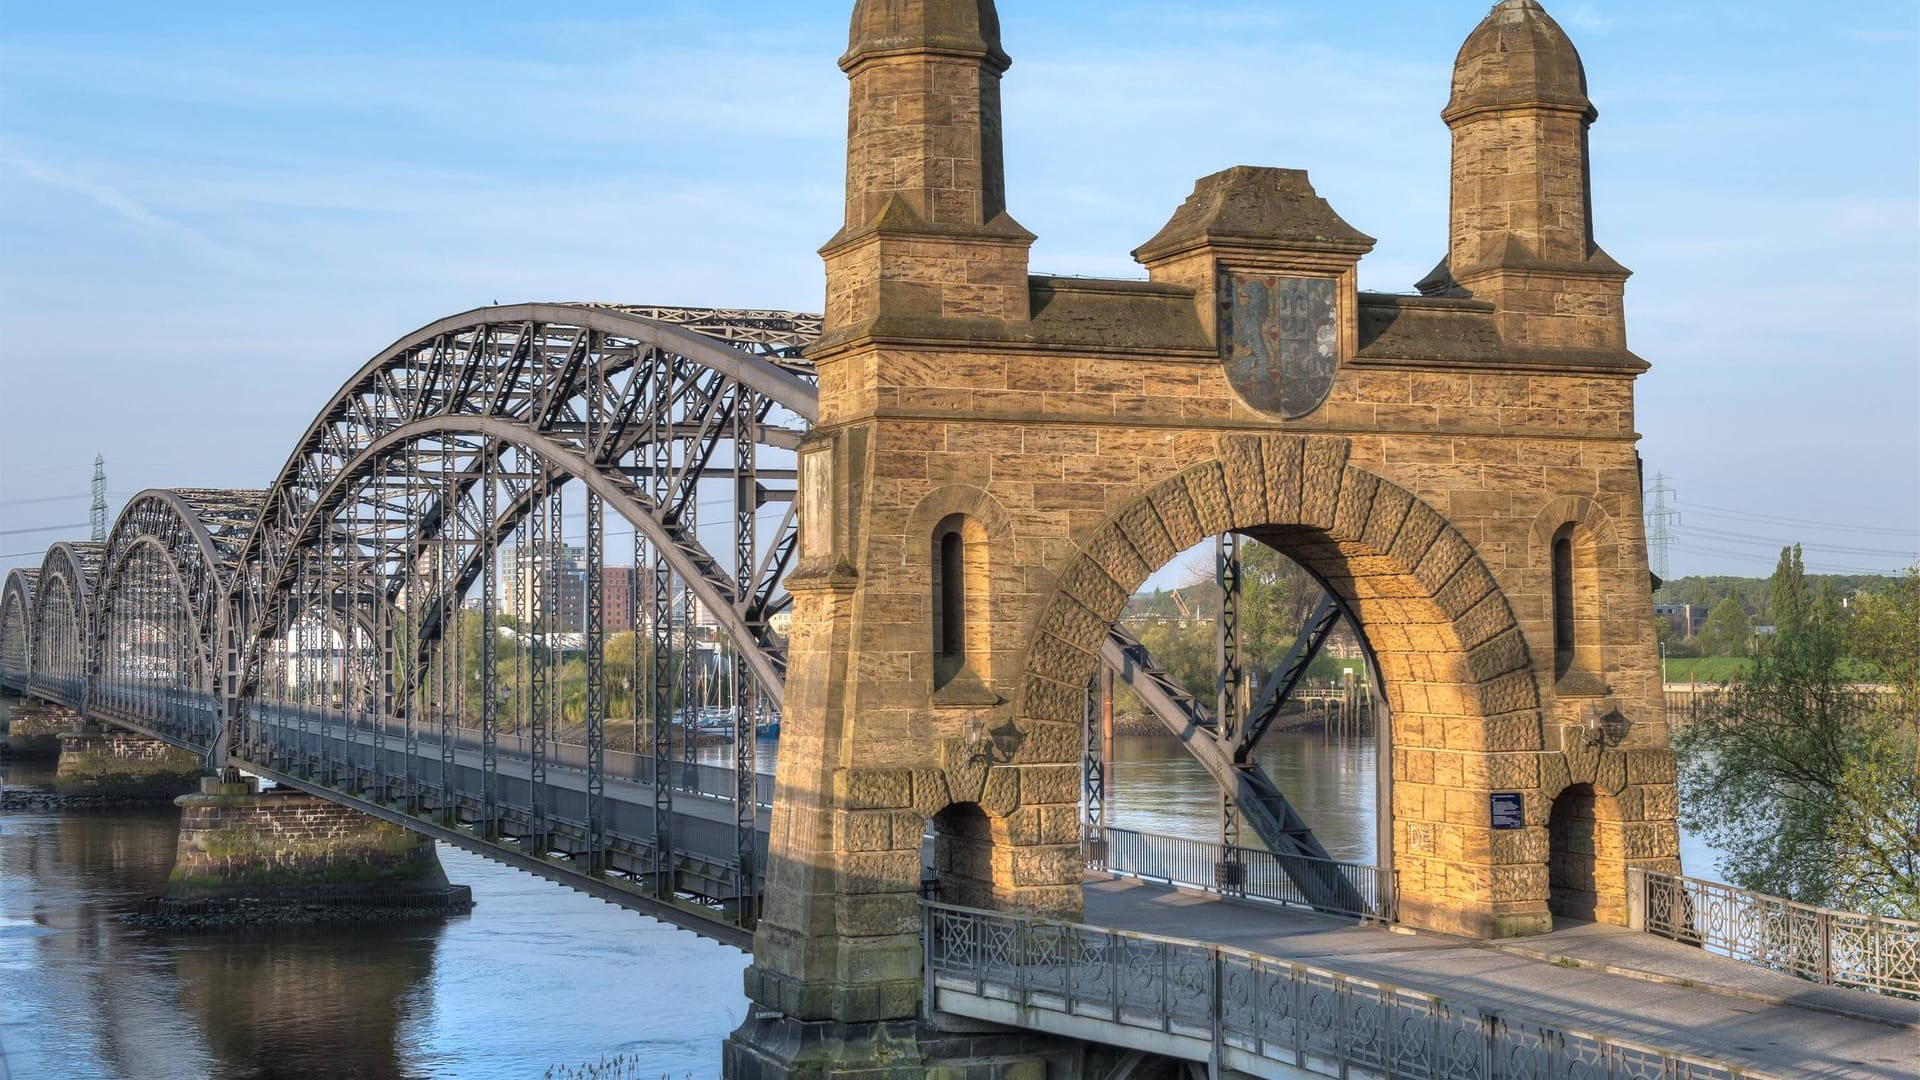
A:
(1003, 458)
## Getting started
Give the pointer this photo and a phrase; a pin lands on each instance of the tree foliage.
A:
(1276, 597)
(1809, 784)
(1727, 630)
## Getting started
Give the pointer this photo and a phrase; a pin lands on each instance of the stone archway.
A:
(1456, 668)
(1586, 865)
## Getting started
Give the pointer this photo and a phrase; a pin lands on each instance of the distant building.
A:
(617, 587)
(564, 572)
(1687, 620)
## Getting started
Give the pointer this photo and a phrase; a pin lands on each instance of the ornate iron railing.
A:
(1248, 1012)
(1835, 948)
(1262, 875)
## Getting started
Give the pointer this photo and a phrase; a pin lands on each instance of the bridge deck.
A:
(1735, 1012)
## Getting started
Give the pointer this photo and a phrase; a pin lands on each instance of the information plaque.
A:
(1509, 810)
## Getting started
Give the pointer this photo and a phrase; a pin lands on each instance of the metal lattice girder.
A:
(16, 628)
(62, 621)
(196, 535)
(521, 375)
(1287, 675)
(1260, 803)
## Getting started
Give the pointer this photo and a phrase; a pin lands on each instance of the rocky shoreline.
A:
(207, 916)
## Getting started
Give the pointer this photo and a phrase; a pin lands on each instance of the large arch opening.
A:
(1452, 661)
(148, 663)
(157, 653)
(62, 621)
(1320, 743)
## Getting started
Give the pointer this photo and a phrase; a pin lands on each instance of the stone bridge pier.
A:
(34, 730)
(113, 766)
(248, 857)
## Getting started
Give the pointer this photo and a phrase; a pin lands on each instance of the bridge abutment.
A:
(252, 856)
(1002, 460)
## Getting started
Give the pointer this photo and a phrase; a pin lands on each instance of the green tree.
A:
(1810, 785)
(1787, 599)
(1726, 631)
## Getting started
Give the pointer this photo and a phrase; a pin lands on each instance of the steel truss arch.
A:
(156, 629)
(63, 619)
(198, 533)
(595, 392)
(16, 628)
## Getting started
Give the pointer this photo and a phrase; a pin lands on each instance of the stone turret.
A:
(1521, 230)
(927, 247)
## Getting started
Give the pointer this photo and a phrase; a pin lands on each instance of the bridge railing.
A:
(1246, 1011)
(1834, 948)
(1263, 876)
(700, 778)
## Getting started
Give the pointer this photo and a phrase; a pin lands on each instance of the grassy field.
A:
(1706, 669)
(1720, 669)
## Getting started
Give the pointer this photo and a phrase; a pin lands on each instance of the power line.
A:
(1775, 519)
(43, 499)
(1750, 557)
(1762, 541)
(44, 528)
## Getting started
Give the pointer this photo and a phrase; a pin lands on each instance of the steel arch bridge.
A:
(415, 618)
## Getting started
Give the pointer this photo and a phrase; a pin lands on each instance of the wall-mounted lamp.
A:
(1604, 726)
(995, 747)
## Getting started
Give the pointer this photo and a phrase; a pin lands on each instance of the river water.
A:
(536, 976)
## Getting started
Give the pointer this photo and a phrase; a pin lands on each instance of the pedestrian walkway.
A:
(1602, 979)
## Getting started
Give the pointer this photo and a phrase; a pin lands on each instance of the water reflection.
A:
(1154, 785)
(537, 976)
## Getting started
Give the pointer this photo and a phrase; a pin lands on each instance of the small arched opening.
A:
(1576, 612)
(972, 860)
(962, 640)
(1586, 863)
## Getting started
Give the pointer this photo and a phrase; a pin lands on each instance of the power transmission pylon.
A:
(99, 514)
(1660, 520)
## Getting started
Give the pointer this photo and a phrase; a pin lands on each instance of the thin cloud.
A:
(1589, 19)
(119, 203)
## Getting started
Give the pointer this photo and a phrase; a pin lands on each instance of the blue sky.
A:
(212, 214)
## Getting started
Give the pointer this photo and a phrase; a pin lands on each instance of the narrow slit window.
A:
(950, 598)
(1564, 643)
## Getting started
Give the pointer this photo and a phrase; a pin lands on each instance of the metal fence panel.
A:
(1278, 1010)
(1836, 948)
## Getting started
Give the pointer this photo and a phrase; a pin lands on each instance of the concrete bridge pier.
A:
(250, 857)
